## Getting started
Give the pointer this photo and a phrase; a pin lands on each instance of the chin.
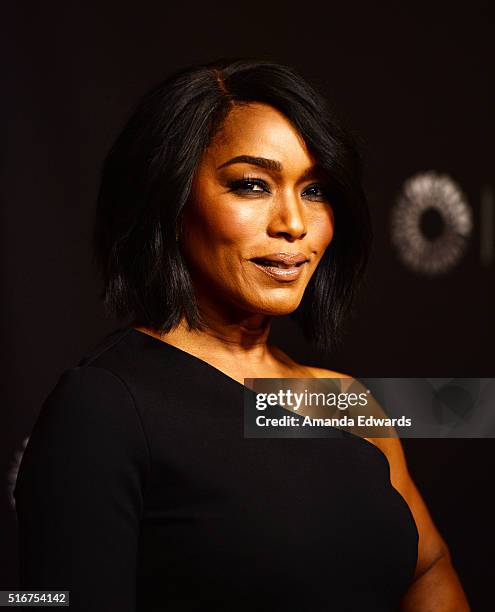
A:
(277, 310)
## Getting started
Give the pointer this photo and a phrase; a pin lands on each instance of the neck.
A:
(239, 337)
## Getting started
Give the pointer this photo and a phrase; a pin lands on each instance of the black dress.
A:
(139, 492)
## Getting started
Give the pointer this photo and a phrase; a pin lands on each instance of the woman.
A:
(232, 196)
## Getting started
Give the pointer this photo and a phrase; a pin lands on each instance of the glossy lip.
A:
(283, 275)
(289, 269)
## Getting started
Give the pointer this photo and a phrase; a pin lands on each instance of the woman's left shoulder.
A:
(300, 368)
(325, 373)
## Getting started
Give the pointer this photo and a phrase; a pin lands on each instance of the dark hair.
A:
(147, 178)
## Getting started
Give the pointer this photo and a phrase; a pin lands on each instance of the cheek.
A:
(323, 230)
(228, 225)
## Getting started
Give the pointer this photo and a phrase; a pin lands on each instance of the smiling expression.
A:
(258, 220)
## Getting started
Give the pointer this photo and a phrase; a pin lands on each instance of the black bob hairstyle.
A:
(147, 178)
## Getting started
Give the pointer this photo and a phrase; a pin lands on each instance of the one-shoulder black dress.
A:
(138, 492)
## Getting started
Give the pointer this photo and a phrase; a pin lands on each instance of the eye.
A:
(316, 192)
(249, 185)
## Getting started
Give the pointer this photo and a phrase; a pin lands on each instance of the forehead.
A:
(259, 130)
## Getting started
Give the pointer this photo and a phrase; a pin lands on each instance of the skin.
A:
(223, 227)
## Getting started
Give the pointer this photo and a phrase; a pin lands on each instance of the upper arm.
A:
(431, 545)
(79, 493)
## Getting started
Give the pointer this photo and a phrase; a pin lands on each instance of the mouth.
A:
(276, 264)
(278, 270)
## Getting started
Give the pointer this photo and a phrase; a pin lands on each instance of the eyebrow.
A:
(263, 162)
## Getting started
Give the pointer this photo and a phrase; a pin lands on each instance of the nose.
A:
(288, 218)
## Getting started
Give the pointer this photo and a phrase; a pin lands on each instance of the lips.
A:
(281, 260)
(282, 267)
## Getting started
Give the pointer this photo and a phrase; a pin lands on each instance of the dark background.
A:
(415, 83)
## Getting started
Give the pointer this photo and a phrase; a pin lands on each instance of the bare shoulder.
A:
(305, 370)
(324, 373)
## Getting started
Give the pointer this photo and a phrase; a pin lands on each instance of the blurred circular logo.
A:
(431, 223)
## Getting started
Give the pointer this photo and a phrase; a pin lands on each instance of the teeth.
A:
(276, 264)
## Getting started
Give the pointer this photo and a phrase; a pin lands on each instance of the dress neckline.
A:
(226, 377)
(187, 354)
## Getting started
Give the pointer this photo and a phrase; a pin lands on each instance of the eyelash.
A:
(239, 186)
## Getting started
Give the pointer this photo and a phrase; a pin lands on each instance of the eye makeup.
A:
(256, 185)
(248, 184)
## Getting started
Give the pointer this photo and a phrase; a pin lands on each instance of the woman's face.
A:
(257, 200)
